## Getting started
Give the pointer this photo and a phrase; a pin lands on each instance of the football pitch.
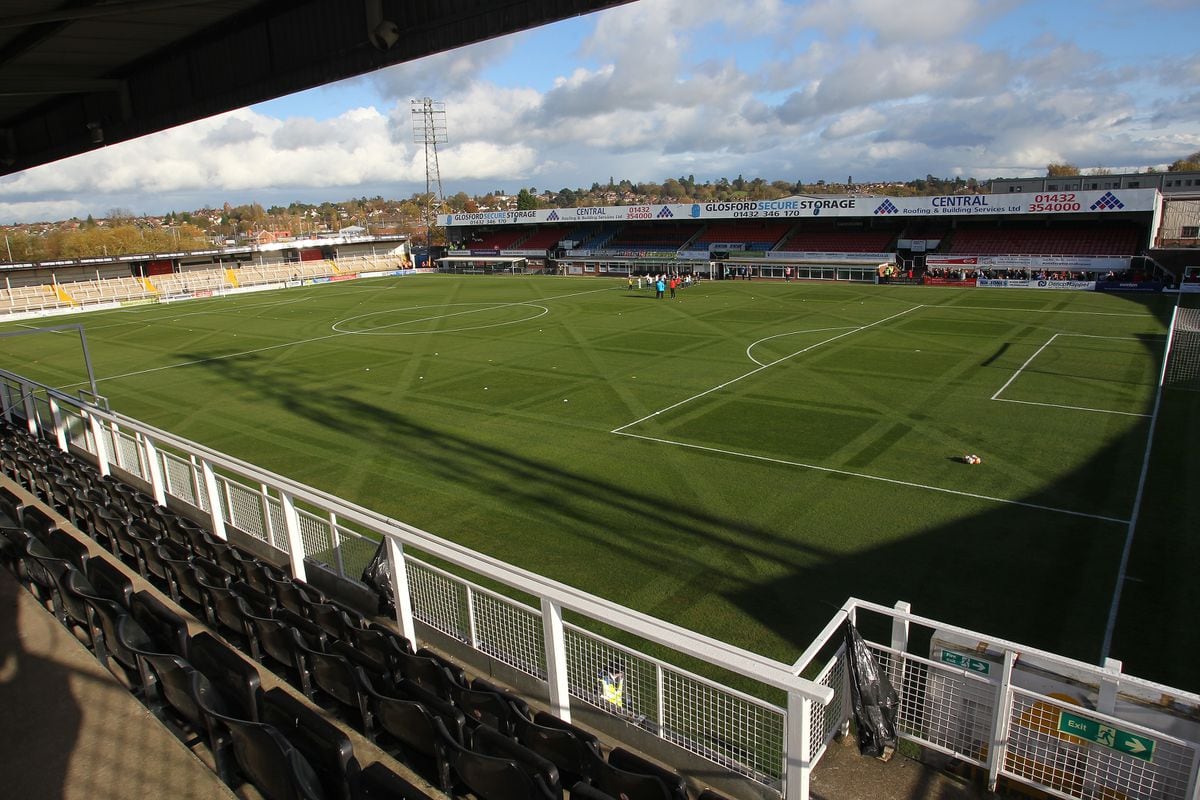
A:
(738, 460)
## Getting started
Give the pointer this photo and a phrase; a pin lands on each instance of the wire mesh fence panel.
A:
(76, 429)
(730, 729)
(177, 477)
(316, 537)
(611, 677)
(278, 529)
(510, 632)
(202, 499)
(41, 412)
(127, 454)
(1183, 360)
(357, 551)
(1101, 757)
(437, 600)
(827, 720)
(245, 508)
(940, 705)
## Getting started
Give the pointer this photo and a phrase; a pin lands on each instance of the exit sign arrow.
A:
(1091, 730)
(962, 661)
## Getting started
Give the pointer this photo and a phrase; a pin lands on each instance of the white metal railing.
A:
(1065, 727)
(735, 730)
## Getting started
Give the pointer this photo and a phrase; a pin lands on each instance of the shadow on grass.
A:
(1042, 579)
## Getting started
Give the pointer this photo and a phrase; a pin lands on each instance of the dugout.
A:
(484, 265)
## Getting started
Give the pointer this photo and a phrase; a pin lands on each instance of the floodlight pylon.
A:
(429, 129)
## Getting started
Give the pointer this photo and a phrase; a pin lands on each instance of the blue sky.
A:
(777, 89)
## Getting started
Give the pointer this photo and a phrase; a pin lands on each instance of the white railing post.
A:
(399, 577)
(999, 749)
(1106, 703)
(215, 516)
(472, 628)
(264, 503)
(900, 626)
(60, 431)
(335, 541)
(196, 477)
(30, 408)
(556, 659)
(660, 693)
(100, 440)
(291, 526)
(798, 759)
(153, 469)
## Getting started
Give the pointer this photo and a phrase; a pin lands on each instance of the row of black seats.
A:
(417, 706)
(196, 684)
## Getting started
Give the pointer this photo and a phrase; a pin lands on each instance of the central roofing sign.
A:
(803, 206)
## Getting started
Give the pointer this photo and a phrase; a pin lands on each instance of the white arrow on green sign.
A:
(966, 662)
(1131, 744)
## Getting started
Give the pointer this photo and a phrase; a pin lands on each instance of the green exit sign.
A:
(1091, 730)
(975, 665)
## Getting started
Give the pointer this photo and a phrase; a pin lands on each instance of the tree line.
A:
(121, 233)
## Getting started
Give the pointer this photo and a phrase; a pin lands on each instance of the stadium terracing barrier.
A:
(1064, 727)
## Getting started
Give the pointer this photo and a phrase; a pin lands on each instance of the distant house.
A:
(354, 230)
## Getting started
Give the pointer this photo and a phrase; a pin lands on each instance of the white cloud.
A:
(771, 88)
(41, 211)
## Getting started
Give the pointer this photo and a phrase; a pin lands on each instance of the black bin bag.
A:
(872, 697)
(378, 576)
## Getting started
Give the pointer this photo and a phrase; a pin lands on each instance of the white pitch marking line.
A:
(166, 313)
(276, 347)
(1000, 399)
(893, 481)
(1028, 361)
(486, 307)
(1039, 311)
(1070, 408)
(761, 368)
(789, 333)
(1134, 338)
(1127, 549)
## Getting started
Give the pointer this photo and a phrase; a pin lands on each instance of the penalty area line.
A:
(878, 478)
(761, 367)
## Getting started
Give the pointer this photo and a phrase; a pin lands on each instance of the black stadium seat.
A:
(490, 742)
(405, 728)
(166, 628)
(483, 704)
(628, 774)
(573, 750)
(109, 581)
(247, 750)
(322, 743)
(490, 777)
(64, 545)
(232, 676)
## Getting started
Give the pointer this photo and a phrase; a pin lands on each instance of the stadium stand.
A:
(829, 239)
(755, 235)
(30, 298)
(1079, 240)
(655, 237)
(543, 239)
(593, 237)
(496, 240)
(111, 565)
(104, 290)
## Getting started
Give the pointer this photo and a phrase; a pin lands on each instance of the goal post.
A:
(52, 365)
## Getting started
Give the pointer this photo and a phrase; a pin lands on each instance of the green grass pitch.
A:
(739, 460)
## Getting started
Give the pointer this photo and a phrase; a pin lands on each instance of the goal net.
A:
(1183, 357)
